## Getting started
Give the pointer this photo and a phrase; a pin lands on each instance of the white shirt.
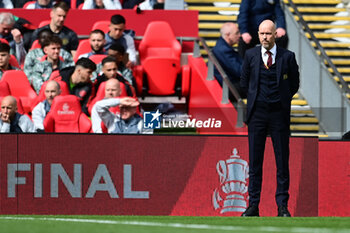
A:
(265, 56)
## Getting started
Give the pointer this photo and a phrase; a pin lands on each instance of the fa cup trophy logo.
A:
(233, 174)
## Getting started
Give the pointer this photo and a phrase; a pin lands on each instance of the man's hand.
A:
(280, 32)
(17, 36)
(246, 37)
(5, 118)
(129, 102)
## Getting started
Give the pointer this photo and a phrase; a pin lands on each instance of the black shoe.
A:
(283, 212)
(251, 211)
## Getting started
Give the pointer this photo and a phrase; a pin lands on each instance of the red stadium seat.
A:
(66, 116)
(13, 61)
(44, 23)
(4, 88)
(97, 58)
(83, 47)
(20, 87)
(41, 96)
(160, 55)
(35, 45)
(27, 4)
(102, 25)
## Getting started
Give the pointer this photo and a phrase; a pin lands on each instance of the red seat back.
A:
(44, 23)
(4, 89)
(102, 25)
(97, 58)
(83, 47)
(27, 4)
(35, 45)
(20, 87)
(66, 116)
(13, 61)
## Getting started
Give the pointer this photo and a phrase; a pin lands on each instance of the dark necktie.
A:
(269, 59)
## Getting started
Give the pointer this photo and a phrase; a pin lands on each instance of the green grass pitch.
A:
(169, 224)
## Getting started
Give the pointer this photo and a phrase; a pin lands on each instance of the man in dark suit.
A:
(270, 76)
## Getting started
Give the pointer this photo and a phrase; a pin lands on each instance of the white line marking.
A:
(186, 226)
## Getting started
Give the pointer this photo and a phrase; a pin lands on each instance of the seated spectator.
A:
(112, 89)
(5, 59)
(152, 4)
(97, 42)
(50, 62)
(110, 71)
(102, 4)
(12, 35)
(41, 4)
(228, 58)
(78, 81)
(117, 34)
(40, 111)
(58, 15)
(35, 55)
(11, 121)
(126, 122)
(130, 4)
(6, 4)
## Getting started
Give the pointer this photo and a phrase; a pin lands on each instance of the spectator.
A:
(11, 121)
(152, 4)
(112, 89)
(102, 4)
(41, 4)
(130, 4)
(35, 55)
(19, 3)
(78, 81)
(126, 122)
(110, 71)
(58, 15)
(48, 63)
(5, 59)
(97, 42)
(117, 34)
(6, 4)
(228, 58)
(12, 35)
(251, 14)
(40, 111)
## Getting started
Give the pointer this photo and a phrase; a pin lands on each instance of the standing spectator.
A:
(52, 89)
(34, 56)
(97, 42)
(6, 4)
(117, 34)
(41, 4)
(251, 14)
(5, 59)
(11, 121)
(58, 15)
(102, 4)
(48, 63)
(12, 35)
(78, 80)
(228, 58)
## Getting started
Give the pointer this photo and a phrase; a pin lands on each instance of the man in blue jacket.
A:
(251, 14)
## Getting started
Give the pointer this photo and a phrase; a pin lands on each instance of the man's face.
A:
(267, 35)
(8, 109)
(116, 30)
(43, 2)
(127, 112)
(110, 69)
(53, 51)
(5, 29)
(51, 91)
(97, 41)
(4, 59)
(112, 89)
(58, 16)
(99, 3)
(234, 35)
(84, 74)
(43, 36)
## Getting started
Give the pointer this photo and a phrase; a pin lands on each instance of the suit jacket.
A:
(287, 77)
(229, 60)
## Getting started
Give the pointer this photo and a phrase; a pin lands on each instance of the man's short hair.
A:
(44, 30)
(86, 63)
(117, 19)
(51, 40)
(118, 47)
(108, 59)
(4, 48)
(61, 5)
(7, 18)
(98, 31)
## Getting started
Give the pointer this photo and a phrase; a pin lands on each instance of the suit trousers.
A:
(268, 118)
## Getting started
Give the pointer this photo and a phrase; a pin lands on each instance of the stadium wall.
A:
(162, 175)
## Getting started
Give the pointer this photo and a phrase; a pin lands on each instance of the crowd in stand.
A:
(100, 79)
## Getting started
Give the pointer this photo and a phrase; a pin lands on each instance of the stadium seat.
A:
(83, 47)
(35, 45)
(4, 88)
(97, 58)
(44, 23)
(160, 72)
(102, 25)
(27, 4)
(41, 96)
(13, 61)
(20, 87)
(66, 116)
